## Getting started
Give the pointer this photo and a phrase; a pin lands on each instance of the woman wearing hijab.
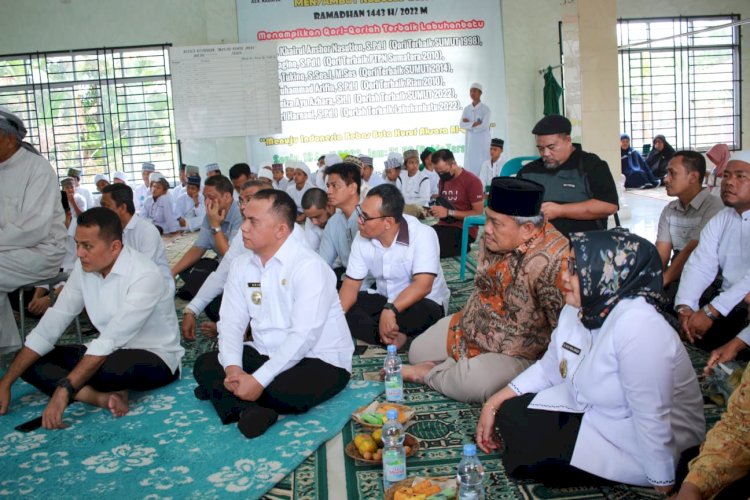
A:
(658, 158)
(615, 397)
(637, 173)
(719, 155)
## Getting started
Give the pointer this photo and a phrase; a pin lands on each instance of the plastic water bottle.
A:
(394, 456)
(394, 383)
(470, 475)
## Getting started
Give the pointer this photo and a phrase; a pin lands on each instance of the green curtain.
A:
(552, 93)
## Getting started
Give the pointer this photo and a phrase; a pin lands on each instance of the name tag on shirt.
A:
(571, 348)
(567, 185)
(253, 285)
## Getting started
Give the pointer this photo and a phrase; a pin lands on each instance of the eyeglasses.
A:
(572, 266)
(364, 218)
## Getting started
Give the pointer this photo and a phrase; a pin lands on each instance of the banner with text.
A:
(373, 76)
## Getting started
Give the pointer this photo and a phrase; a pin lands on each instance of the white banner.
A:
(372, 76)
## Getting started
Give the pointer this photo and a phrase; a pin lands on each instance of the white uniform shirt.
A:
(143, 236)
(415, 251)
(160, 212)
(724, 244)
(131, 308)
(214, 284)
(376, 179)
(416, 189)
(187, 210)
(71, 251)
(297, 194)
(281, 185)
(87, 196)
(139, 196)
(296, 312)
(491, 170)
(477, 145)
(635, 385)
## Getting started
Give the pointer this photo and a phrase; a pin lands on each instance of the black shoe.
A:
(256, 420)
(201, 393)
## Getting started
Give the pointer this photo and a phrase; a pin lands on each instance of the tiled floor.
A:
(645, 208)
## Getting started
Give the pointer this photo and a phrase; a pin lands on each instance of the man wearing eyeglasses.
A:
(403, 256)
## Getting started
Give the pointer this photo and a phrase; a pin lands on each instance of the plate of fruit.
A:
(368, 447)
(373, 415)
(423, 488)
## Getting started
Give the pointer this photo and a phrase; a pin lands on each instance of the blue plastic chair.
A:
(511, 167)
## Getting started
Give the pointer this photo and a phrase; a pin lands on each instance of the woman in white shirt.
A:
(615, 397)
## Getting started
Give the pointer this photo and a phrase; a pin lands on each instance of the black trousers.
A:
(213, 307)
(449, 238)
(725, 329)
(539, 444)
(135, 369)
(306, 384)
(364, 317)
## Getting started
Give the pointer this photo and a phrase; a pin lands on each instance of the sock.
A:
(255, 420)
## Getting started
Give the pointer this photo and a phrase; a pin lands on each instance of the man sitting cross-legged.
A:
(403, 256)
(509, 317)
(129, 303)
(284, 345)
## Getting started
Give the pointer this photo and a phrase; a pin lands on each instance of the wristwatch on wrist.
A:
(66, 384)
(216, 230)
(451, 213)
(390, 307)
(709, 313)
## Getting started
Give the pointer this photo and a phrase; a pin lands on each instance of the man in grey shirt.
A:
(681, 220)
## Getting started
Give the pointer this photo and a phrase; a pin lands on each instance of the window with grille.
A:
(686, 87)
(103, 109)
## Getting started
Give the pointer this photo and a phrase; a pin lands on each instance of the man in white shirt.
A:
(119, 177)
(427, 167)
(75, 174)
(100, 181)
(191, 206)
(138, 346)
(393, 164)
(475, 120)
(402, 255)
(492, 167)
(724, 246)
(284, 345)
(415, 184)
(32, 222)
(317, 211)
(298, 188)
(239, 174)
(208, 297)
(368, 172)
(279, 181)
(138, 233)
(141, 192)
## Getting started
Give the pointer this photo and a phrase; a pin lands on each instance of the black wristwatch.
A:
(66, 384)
(390, 307)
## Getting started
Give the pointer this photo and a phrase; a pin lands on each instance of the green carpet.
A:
(442, 425)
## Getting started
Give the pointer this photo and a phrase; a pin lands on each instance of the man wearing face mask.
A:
(461, 194)
(579, 191)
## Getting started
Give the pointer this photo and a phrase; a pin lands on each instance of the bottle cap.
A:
(391, 349)
(393, 415)
(470, 449)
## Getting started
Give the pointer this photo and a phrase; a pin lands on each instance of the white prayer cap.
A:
(120, 175)
(332, 159)
(11, 124)
(147, 167)
(743, 155)
(100, 177)
(394, 160)
(155, 177)
(265, 172)
(477, 86)
(300, 165)
(213, 167)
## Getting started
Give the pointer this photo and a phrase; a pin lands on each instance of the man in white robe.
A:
(492, 167)
(32, 222)
(475, 120)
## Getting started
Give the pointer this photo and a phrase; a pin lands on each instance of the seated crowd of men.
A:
(307, 263)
